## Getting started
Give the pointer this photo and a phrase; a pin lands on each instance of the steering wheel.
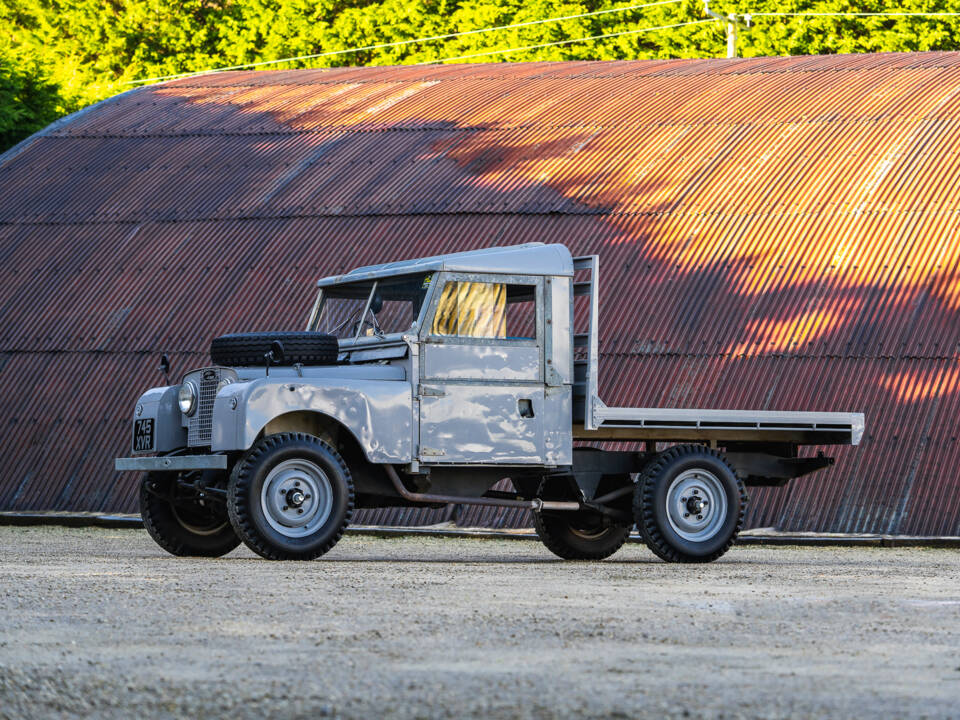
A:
(372, 322)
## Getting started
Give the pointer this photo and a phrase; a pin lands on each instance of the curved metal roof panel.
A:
(775, 233)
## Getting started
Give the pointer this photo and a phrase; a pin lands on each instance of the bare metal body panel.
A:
(557, 438)
(480, 362)
(376, 412)
(477, 424)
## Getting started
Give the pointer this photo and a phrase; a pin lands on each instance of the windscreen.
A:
(392, 305)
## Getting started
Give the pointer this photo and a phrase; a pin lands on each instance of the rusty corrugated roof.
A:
(776, 233)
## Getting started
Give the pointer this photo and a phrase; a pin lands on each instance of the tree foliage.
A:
(59, 55)
(28, 100)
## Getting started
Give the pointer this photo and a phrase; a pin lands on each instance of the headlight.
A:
(187, 397)
(223, 383)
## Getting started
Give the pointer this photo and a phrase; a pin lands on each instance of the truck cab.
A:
(484, 338)
(429, 381)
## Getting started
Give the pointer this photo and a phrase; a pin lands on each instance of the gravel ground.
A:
(102, 622)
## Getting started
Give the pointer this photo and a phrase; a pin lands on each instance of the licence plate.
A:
(143, 435)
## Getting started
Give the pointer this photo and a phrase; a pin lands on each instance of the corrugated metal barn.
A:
(774, 233)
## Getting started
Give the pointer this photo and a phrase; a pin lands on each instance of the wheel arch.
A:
(316, 423)
(368, 475)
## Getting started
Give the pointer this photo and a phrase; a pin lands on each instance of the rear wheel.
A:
(290, 497)
(689, 504)
(579, 535)
(181, 521)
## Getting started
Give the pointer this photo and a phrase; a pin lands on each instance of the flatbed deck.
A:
(670, 424)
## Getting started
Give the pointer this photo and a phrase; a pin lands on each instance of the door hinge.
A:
(427, 391)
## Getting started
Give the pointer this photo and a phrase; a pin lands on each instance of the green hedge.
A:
(56, 57)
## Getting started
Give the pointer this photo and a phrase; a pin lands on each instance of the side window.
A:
(486, 310)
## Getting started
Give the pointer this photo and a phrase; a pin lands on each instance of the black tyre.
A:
(578, 535)
(248, 349)
(689, 504)
(181, 522)
(581, 535)
(290, 497)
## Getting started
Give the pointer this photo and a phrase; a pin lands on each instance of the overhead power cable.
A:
(564, 42)
(855, 14)
(401, 43)
(734, 21)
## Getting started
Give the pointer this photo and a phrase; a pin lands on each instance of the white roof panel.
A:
(528, 259)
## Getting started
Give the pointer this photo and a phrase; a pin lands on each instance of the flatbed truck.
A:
(429, 381)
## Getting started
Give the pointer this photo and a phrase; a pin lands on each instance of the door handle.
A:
(427, 391)
(525, 407)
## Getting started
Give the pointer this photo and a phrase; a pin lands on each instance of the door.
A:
(481, 387)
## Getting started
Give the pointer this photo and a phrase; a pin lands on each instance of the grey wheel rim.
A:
(696, 505)
(197, 529)
(587, 535)
(296, 498)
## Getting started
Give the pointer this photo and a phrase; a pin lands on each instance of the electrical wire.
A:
(854, 14)
(400, 43)
(564, 42)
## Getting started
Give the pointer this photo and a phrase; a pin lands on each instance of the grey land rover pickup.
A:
(427, 382)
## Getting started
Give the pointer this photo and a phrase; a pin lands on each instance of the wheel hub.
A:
(297, 498)
(696, 505)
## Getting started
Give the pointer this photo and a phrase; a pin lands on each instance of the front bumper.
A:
(172, 462)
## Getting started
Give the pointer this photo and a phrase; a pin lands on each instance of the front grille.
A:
(200, 429)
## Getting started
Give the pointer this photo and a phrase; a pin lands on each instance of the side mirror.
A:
(165, 367)
(275, 355)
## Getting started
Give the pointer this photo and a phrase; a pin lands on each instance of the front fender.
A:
(160, 403)
(377, 412)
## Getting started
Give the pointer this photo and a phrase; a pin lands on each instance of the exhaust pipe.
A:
(536, 505)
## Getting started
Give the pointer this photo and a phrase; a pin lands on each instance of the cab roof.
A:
(528, 259)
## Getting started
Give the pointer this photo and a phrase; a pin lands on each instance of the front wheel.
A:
(182, 521)
(689, 504)
(290, 497)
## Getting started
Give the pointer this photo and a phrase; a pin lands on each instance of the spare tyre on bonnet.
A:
(249, 349)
